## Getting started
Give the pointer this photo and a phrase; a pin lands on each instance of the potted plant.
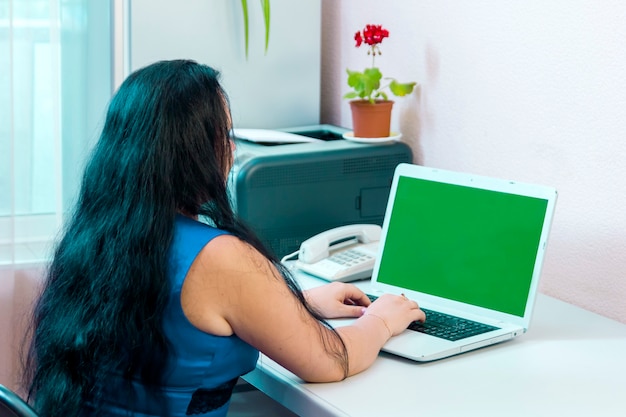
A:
(370, 105)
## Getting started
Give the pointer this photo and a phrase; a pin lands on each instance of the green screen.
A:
(466, 244)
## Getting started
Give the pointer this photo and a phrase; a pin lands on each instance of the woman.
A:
(148, 311)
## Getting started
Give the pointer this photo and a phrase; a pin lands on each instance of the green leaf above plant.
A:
(265, 5)
(246, 23)
(366, 85)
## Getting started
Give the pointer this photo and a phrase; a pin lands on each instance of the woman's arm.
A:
(232, 288)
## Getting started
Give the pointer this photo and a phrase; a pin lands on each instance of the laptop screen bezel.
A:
(546, 193)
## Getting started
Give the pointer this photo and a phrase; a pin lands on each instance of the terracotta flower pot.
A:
(371, 120)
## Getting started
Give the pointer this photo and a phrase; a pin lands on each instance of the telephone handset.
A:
(345, 253)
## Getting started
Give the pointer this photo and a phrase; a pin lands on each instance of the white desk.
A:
(570, 363)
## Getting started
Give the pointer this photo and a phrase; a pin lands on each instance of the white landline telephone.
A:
(345, 253)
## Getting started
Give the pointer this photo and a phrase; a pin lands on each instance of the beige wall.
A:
(17, 292)
(531, 91)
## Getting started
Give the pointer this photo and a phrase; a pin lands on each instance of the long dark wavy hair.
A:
(164, 149)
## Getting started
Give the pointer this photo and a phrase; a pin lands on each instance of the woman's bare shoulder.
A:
(229, 254)
(226, 274)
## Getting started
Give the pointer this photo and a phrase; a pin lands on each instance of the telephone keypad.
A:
(350, 257)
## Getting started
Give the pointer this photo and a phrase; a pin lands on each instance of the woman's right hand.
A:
(397, 312)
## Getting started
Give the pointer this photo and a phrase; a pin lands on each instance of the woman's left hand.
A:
(337, 299)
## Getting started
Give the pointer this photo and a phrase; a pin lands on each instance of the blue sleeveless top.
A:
(202, 368)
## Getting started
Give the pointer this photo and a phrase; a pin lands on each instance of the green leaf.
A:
(265, 4)
(364, 83)
(374, 75)
(401, 89)
(246, 29)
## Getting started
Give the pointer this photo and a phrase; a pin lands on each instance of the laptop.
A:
(467, 246)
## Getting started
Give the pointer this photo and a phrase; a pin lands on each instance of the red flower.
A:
(371, 35)
(358, 38)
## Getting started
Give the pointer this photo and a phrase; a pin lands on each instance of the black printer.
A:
(290, 192)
